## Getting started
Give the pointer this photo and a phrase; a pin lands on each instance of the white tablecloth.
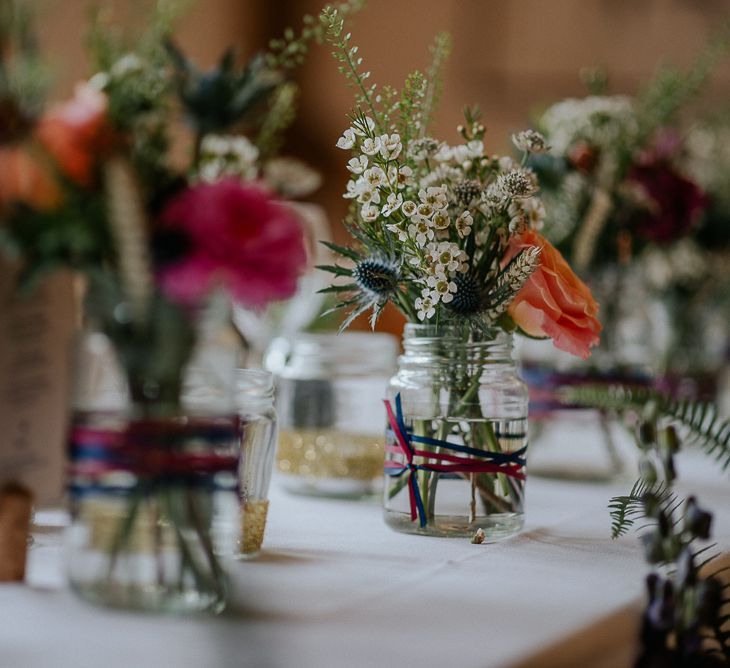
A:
(335, 587)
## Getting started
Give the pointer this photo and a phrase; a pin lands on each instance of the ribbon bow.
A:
(477, 461)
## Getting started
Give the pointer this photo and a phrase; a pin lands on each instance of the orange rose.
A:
(554, 302)
(24, 178)
(75, 132)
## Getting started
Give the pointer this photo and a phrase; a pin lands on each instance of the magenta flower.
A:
(239, 237)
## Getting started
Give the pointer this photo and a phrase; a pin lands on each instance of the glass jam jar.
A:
(330, 391)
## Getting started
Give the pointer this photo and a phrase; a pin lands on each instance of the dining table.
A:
(334, 587)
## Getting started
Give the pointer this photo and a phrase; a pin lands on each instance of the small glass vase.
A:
(153, 489)
(255, 405)
(329, 398)
(456, 438)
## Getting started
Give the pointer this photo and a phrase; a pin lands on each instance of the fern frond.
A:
(700, 419)
(625, 510)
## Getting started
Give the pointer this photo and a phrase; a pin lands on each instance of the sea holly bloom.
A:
(347, 140)
(554, 302)
(238, 237)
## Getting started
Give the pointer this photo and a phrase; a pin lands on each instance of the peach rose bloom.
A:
(75, 132)
(25, 179)
(554, 302)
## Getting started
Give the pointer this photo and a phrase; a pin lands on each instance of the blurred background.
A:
(513, 59)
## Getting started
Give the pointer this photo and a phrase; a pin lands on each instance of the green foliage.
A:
(626, 509)
(289, 51)
(440, 52)
(411, 121)
(213, 101)
(703, 426)
(279, 116)
(332, 22)
(670, 90)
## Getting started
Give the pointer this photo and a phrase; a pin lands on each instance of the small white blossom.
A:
(464, 224)
(390, 146)
(403, 176)
(368, 195)
(347, 140)
(526, 213)
(507, 164)
(369, 213)
(226, 155)
(371, 145)
(392, 204)
(425, 308)
(409, 208)
(351, 191)
(448, 257)
(358, 165)
(441, 288)
(445, 153)
(375, 177)
(441, 220)
(436, 196)
(425, 210)
(397, 229)
(420, 229)
(530, 141)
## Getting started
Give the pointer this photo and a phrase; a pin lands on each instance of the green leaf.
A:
(342, 250)
(335, 269)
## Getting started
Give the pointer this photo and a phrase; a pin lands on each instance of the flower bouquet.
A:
(617, 184)
(92, 184)
(448, 235)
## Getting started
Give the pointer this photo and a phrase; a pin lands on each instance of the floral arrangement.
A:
(615, 177)
(448, 233)
(692, 277)
(96, 184)
(160, 185)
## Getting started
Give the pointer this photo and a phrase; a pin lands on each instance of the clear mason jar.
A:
(330, 390)
(456, 437)
(255, 405)
(153, 489)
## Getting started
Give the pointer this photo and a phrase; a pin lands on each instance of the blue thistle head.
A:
(376, 277)
(468, 299)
